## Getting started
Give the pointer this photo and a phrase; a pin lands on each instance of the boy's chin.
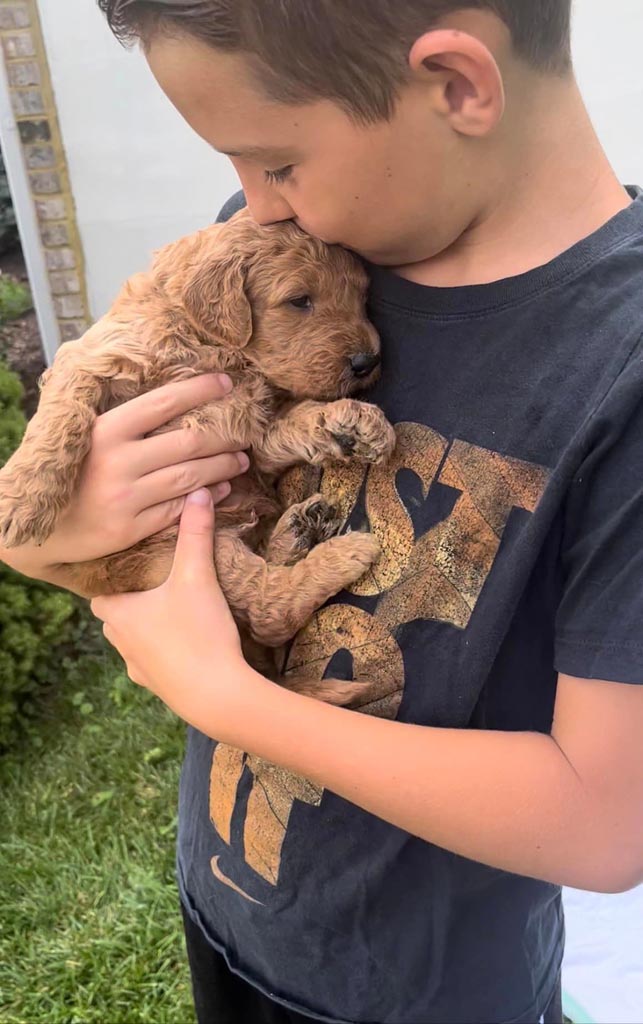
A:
(380, 258)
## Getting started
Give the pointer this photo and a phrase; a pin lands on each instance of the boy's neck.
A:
(553, 187)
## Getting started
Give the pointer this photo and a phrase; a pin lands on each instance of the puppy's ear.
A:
(214, 293)
(205, 273)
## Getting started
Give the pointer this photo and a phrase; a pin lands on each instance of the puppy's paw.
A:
(14, 534)
(17, 529)
(314, 521)
(301, 529)
(356, 430)
(358, 552)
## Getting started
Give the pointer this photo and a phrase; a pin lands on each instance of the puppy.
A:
(282, 314)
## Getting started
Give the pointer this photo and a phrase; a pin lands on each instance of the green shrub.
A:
(12, 419)
(8, 228)
(43, 631)
(15, 298)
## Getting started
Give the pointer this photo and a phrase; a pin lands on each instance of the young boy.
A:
(404, 866)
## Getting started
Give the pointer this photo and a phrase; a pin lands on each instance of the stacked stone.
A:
(35, 112)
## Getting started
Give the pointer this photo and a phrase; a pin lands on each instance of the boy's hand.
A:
(180, 640)
(131, 485)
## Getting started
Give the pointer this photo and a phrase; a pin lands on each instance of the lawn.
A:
(89, 923)
(89, 927)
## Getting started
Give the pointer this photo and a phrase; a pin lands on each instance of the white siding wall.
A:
(608, 37)
(141, 178)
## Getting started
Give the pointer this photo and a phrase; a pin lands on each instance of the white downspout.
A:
(27, 222)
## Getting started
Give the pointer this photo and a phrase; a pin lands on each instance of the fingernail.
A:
(225, 382)
(244, 461)
(221, 491)
(201, 497)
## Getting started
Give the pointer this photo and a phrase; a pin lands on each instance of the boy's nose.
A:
(267, 206)
(364, 363)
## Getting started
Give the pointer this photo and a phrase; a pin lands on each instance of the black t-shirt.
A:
(511, 523)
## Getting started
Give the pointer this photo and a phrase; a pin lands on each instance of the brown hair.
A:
(353, 52)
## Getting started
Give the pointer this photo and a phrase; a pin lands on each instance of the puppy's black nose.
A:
(364, 363)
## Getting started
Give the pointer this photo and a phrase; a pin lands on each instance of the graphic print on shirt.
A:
(429, 573)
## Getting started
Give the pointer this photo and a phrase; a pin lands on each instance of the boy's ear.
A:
(465, 79)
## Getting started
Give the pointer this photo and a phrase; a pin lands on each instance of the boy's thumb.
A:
(194, 548)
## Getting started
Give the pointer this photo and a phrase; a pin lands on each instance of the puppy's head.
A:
(296, 305)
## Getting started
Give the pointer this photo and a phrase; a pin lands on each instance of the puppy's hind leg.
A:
(276, 601)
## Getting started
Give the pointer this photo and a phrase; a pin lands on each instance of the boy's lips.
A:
(320, 238)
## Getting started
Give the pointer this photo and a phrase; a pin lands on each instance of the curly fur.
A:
(221, 300)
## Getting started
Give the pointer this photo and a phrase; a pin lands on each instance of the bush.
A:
(8, 228)
(15, 298)
(12, 419)
(43, 631)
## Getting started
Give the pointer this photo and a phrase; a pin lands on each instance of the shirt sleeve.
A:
(599, 624)
(231, 206)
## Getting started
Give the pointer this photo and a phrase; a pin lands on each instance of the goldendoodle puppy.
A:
(282, 314)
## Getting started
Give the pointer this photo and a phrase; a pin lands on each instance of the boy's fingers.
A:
(167, 513)
(112, 608)
(98, 608)
(194, 555)
(140, 415)
(164, 479)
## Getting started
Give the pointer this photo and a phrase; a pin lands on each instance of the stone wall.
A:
(35, 111)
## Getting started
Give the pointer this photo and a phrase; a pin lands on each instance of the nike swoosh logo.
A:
(218, 874)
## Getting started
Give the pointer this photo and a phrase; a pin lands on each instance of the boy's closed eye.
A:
(280, 175)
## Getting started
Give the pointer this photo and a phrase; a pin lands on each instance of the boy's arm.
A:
(565, 808)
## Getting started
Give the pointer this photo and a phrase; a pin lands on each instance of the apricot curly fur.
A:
(221, 300)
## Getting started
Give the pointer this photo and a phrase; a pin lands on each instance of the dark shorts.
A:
(221, 997)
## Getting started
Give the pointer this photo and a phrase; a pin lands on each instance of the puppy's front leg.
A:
(235, 420)
(38, 481)
(316, 432)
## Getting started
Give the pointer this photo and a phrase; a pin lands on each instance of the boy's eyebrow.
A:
(259, 153)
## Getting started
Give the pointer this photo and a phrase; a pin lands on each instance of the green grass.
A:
(89, 921)
(15, 298)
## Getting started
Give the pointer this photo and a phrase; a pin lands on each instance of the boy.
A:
(403, 866)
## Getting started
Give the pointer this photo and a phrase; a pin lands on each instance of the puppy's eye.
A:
(301, 302)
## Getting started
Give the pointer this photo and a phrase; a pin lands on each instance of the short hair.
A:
(353, 52)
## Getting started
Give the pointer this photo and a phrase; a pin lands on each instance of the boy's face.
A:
(396, 192)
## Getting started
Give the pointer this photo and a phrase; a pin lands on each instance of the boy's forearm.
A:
(510, 800)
